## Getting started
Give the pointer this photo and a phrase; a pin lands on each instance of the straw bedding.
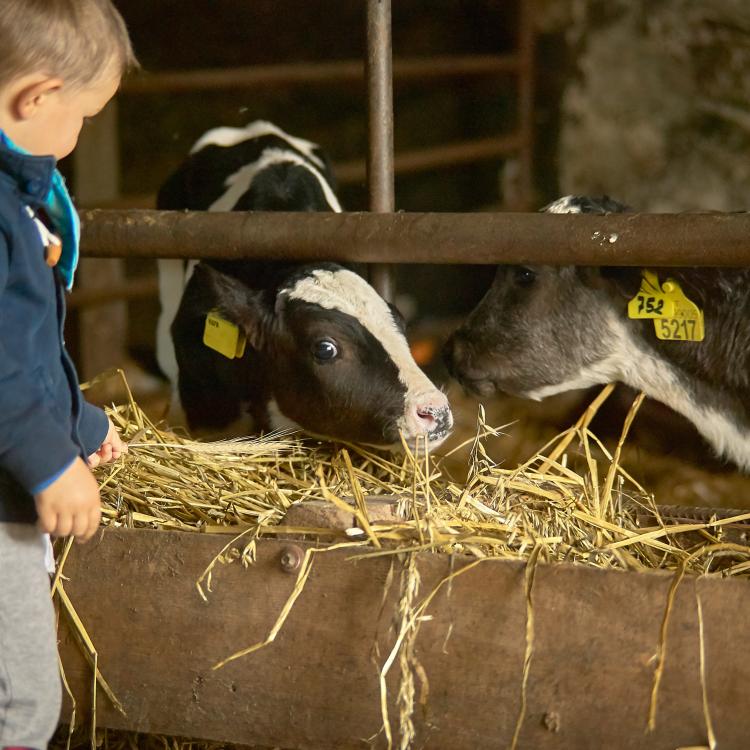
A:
(570, 501)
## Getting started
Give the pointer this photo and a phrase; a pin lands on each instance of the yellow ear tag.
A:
(223, 337)
(686, 323)
(676, 318)
(651, 301)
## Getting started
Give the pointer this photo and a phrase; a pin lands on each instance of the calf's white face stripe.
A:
(345, 291)
(239, 182)
(228, 137)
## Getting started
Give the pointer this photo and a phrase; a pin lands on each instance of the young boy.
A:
(60, 63)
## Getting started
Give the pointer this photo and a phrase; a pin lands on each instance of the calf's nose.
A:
(431, 414)
(461, 361)
(460, 357)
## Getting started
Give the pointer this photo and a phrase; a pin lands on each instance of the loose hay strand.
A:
(615, 464)
(704, 689)
(299, 585)
(89, 651)
(530, 572)
(585, 420)
(206, 574)
(661, 649)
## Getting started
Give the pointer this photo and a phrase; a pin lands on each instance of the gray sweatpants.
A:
(30, 690)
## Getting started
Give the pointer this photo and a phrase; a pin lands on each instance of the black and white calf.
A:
(325, 352)
(544, 330)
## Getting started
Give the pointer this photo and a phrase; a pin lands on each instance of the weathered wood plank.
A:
(316, 686)
(103, 331)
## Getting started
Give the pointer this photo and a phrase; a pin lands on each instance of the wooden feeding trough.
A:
(349, 626)
(596, 634)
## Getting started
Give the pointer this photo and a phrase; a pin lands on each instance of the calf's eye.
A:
(325, 350)
(525, 276)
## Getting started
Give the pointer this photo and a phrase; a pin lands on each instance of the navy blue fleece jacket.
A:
(44, 421)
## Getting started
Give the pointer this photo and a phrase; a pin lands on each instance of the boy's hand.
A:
(110, 450)
(70, 505)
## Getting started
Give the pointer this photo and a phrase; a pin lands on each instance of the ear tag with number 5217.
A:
(223, 337)
(676, 318)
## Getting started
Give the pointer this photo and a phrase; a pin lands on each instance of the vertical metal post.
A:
(379, 72)
(526, 100)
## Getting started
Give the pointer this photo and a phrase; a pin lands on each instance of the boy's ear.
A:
(31, 96)
(247, 308)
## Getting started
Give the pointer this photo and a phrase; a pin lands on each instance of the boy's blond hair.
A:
(76, 40)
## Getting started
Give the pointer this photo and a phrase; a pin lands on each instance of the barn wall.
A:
(656, 110)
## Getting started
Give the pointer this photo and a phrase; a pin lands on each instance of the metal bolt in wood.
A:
(291, 558)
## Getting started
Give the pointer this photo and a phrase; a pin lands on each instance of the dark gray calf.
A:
(325, 352)
(544, 330)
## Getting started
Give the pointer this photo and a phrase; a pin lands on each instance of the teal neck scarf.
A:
(59, 207)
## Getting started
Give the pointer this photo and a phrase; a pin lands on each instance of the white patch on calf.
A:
(350, 294)
(173, 278)
(634, 365)
(239, 182)
(726, 438)
(228, 137)
(171, 286)
(564, 205)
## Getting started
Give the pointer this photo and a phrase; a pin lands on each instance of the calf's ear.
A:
(398, 318)
(247, 308)
(626, 280)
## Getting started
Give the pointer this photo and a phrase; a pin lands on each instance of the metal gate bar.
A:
(340, 71)
(701, 239)
(380, 180)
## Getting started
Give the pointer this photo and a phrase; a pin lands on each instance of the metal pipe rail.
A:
(334, 72)
(689, 239)
(437, 157)
(380, 174)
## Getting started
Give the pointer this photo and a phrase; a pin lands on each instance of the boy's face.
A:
(57, 122)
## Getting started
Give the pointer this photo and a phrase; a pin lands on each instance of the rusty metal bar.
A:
(437, 157)
(526, 72)
(708, 239)
(380, 175)
(340, 71)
